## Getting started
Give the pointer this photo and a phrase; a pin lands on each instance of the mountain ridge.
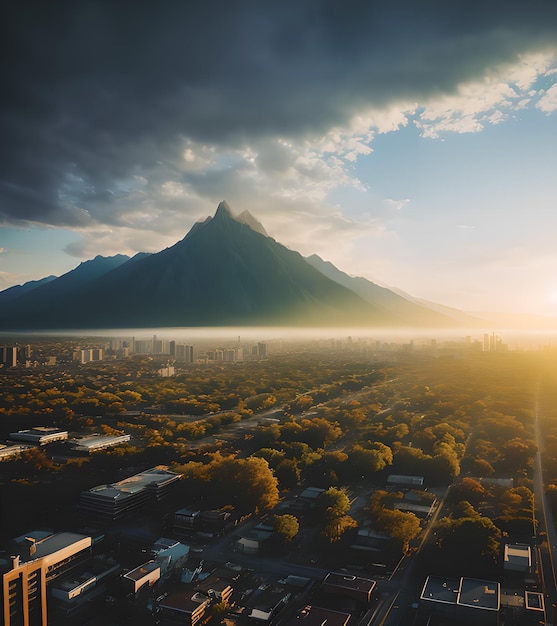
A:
(225, 271)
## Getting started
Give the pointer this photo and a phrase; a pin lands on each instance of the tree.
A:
(336, 521)
(249, 483)
(286, 526)
(399, 525)
(335, 501)
(468, 489)
(469, 541)
(335, 527)
(365, 461)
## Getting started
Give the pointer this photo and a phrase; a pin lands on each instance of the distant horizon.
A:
(514, 338)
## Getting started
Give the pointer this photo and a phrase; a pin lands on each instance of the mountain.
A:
(48, 294)
(225, 271)
(12, 293)
(411, 311)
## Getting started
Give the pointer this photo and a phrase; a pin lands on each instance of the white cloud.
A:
(548, 102)
(486, 101)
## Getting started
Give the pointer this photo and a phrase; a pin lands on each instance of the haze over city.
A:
(412, 145)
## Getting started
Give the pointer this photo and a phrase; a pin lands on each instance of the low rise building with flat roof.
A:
(266, 602)
(420, 510)
(93, 443)
(9, 452)
(534, 601)
(127, 496)
(469, 599)
(71, 593)
(518, 558)
(317, 616)
(182, 607)
(405, 481)
(441, 590)
(146, 574)
(351, 586)
(40, 435)
(170, 554)
(479, 594)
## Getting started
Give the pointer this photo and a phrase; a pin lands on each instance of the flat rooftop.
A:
(354, 583)
(316, 616)
(95, 441)
(143, 570)
(185, 602)
(518, 554)
(479, 594)
(55, 543)
(135, 484)
(402, 479)
(441, 589)
(534, 601)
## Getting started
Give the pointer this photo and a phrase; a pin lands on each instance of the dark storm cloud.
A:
(98, 91)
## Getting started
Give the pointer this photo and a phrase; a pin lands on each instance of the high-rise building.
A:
(38, 559)
(8, 356)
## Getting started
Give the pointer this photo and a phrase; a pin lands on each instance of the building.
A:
(216, 588)
(39, 558)
(420, 510)
(89, 355)
(468, 599)
(93, 443)
(351, 586)
(266, 602)
(146, 574)
(410, 482)
(185, 353)
(8, 452)
(40, 435)
(8, 356)
(518, 558)
(317, 616)
(72, 593)
(181, 607)
(167, 371)
(170, 554)
(127, 496)
(186, 521)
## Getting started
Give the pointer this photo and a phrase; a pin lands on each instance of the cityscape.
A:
(339, 487)
(278, 313)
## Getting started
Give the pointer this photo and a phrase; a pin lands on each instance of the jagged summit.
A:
(246, 217)
(225, 213)
(224, 210)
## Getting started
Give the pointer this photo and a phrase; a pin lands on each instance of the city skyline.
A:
(414, 147)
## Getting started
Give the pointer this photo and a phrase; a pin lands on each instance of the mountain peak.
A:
(247, 218)
(224, 210)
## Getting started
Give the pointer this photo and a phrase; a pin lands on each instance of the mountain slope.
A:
(409, 311)
(12, 293)
(222, 273)
(48, 295)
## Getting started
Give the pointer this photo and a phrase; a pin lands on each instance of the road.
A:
(544, 518)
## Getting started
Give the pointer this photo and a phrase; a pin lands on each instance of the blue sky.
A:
(414, 147)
